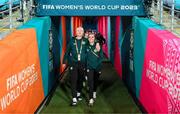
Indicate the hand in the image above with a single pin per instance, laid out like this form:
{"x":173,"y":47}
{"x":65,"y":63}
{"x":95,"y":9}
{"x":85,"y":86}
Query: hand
{"x":63,"y":65}
{"x":98,"y":47}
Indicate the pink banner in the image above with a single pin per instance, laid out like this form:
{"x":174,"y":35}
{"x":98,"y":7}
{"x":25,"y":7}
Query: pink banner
{"x":160,"y":87}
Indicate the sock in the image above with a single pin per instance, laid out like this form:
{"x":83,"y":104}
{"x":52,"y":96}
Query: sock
{"x":78,"y":94}
{"x":94,"y":94}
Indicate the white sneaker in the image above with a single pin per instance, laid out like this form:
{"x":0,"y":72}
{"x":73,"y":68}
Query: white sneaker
{"x":94,"y":95}
{"x":86,"y":78}
{"x":79,"y":98}
{"x":74,"y":102}
{"x":91,"y":102}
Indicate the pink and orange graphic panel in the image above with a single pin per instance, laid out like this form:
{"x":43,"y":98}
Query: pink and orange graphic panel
{"x":20,"y":81}
{"x":160,"y":85}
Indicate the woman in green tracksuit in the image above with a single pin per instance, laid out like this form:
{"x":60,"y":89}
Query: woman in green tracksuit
{"x":94,"y":59}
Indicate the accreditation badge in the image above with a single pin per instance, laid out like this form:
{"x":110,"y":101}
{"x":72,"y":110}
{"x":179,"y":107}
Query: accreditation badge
{"x":79,"y":57}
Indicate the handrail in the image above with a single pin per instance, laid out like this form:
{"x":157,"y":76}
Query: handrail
{"x":12,"y":16}
{"x":161,"y":14}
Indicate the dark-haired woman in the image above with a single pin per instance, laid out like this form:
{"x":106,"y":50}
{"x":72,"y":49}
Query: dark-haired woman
{"x":94,"y":59}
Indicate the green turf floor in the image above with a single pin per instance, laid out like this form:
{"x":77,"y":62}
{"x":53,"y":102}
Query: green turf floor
{"x":112,"y":97}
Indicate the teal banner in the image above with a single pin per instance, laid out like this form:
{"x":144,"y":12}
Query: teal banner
{"x":90,"y":7}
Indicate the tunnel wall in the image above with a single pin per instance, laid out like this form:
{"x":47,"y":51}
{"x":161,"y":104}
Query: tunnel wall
{"x":156,"y":72}
{"x":103,"y":29}
{"x":76,"y":21}
{"x":117,"y":48}
{"x":62,"y":39}
{"x":111,"y":29}
{"x":61,"y":27}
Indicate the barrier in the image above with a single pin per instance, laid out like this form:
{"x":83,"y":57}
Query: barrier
{"x":141,"y":27}
{"x":156,"y":72}
{"x":42,"y":26}
{"x":20,"y":81}
{"x":161,"y":73}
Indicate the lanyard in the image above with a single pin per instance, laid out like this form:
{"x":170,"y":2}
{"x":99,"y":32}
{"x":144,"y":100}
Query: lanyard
{"x":77,"y":50}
